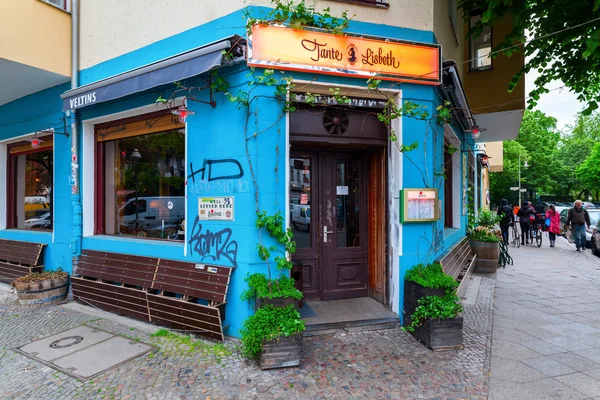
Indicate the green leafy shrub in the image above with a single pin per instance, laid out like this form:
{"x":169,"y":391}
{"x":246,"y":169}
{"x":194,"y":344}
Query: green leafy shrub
{"x":261,"y":287}
{"x":431,"y":276}
{"x":487,"y":218}
{"x":269,"y":323}
{"x":435,"y":307}
{"x":484,"y":234}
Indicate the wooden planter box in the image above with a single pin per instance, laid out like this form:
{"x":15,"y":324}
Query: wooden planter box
{"x":412,"y":293}
{"x":282,"y":353}
{"x":441,"y":334}
{"x":487,"y":254}
{"x":48,"y":291}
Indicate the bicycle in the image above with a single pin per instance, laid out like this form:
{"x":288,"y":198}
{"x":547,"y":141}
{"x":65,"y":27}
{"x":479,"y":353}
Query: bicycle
{"x":536,"y":233}
{"x":516,"y":237}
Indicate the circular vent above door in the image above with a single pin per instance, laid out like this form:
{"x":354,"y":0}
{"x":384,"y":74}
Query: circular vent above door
{"x":335,"y":121}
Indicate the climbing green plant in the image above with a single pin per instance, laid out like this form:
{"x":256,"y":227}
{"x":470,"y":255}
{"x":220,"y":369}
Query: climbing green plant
{"x":260,"y":287}
{"x":299,"y":15}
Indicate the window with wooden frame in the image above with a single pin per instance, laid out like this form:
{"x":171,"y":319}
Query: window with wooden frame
{"x":29,"y":184}
{"x":140,"y":177}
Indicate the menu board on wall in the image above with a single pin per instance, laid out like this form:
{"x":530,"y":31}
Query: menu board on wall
{"x":419,"y":205}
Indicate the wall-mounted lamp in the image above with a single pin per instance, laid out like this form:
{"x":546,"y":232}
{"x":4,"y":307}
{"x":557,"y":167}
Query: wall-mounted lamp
{"x":475,"y":131}
{"x":182,"y":113}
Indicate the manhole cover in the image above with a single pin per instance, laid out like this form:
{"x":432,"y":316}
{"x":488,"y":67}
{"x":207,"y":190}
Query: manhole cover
{"x":84,"y":352}
{"x":66,"y":342}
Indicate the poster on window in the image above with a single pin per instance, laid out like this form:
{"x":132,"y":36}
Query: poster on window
{"x":465,"y":184}
{"x":216,"y":208}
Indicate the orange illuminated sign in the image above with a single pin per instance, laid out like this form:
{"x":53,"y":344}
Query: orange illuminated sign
{"x":306,"y":50}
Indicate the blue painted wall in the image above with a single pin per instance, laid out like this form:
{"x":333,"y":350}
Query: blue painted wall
{"x":28,"y":115}
{"x":217,"y":134}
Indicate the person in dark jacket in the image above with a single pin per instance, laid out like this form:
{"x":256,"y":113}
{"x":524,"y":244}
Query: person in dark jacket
{"x":505,"y":211}
{"x":524,"y":215}
{"x":578,"y":218}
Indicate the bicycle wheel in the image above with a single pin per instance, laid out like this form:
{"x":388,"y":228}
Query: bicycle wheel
{"x":516,"y":237}
{"x":538,"y":237}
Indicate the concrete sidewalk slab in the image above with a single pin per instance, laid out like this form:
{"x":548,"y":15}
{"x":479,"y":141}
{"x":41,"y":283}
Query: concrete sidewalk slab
{"x":548,"y":303}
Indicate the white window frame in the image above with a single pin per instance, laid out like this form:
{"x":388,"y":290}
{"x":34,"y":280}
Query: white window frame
{"x":88,"y":151}
{"x":475,"y":58}
{"x":4,"y":180}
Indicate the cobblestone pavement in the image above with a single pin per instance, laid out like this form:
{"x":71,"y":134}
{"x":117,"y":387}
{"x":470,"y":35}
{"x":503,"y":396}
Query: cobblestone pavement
{"x":382,"y":364}
{"x":546,"y":331}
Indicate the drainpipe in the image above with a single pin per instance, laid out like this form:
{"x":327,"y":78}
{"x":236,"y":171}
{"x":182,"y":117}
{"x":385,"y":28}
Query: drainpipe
{"x":76,"y":235}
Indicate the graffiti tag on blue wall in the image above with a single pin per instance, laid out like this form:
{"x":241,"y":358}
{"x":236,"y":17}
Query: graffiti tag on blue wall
{"x":223,"y":169}
{"x":213,"y":246}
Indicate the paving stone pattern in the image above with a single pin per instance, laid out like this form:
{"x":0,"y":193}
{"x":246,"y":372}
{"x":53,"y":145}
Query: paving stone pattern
{"x":546,"y":330}
{"x":386,"y":364}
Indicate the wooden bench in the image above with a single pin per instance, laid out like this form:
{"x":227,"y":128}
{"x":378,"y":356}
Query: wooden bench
{"x":19,"y":259}
{"x":182,"y":295}
{"x":458,"y":262}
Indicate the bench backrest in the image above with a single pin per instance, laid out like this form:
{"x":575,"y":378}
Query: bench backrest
{"x":203,"y":281}
{"x":454,"y":260}
{"x":23,"y":253}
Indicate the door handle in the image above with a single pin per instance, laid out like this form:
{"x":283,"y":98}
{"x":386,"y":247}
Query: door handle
{"x":149,"y":217}
{"x":325,"y":232}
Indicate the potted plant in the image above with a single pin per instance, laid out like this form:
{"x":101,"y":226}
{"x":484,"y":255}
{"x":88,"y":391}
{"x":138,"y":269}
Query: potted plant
{"x":42,"y":287}
{"x":273,"y":333}
{"x":436,"y":322}
{"x":425,"y":280}
{"x":484,"y":240}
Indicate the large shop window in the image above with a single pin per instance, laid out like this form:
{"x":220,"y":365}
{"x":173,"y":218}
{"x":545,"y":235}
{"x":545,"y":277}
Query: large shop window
{"x":30,"y":174}
{"x":480,"y":47}
{"x":140,"y":177}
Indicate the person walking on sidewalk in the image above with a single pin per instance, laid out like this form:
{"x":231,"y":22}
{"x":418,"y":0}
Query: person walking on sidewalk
{"x":507,"y":218}
{"x":524,"y":215}
{"x":578,"y":218}
{"x":554,"y":228}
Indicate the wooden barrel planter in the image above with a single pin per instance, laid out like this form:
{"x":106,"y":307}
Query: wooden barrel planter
{"x":281,"y":353}
{"x":488,"y":254}
{"x":47,"y":291}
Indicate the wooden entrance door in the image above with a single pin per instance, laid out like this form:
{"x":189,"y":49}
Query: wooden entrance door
{"x":329,"y":219}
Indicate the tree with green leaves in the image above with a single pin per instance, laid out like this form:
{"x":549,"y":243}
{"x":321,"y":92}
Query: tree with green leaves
{"x":589,"y":172}
{"x":564,"y":42}
{"x":538,"y":144}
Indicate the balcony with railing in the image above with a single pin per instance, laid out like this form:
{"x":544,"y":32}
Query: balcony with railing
{"x":35,"y":46}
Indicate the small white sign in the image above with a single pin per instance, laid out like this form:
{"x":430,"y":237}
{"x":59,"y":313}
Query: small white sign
{"x":199,"y":266}
{"x":212,"y":270}
{"x":170,"y":205}
{"x":342,"y":191}
{"x":216,"y":208}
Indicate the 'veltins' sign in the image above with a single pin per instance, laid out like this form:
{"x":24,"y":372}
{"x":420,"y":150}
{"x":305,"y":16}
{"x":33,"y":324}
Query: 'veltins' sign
{"x":304,"y":50}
